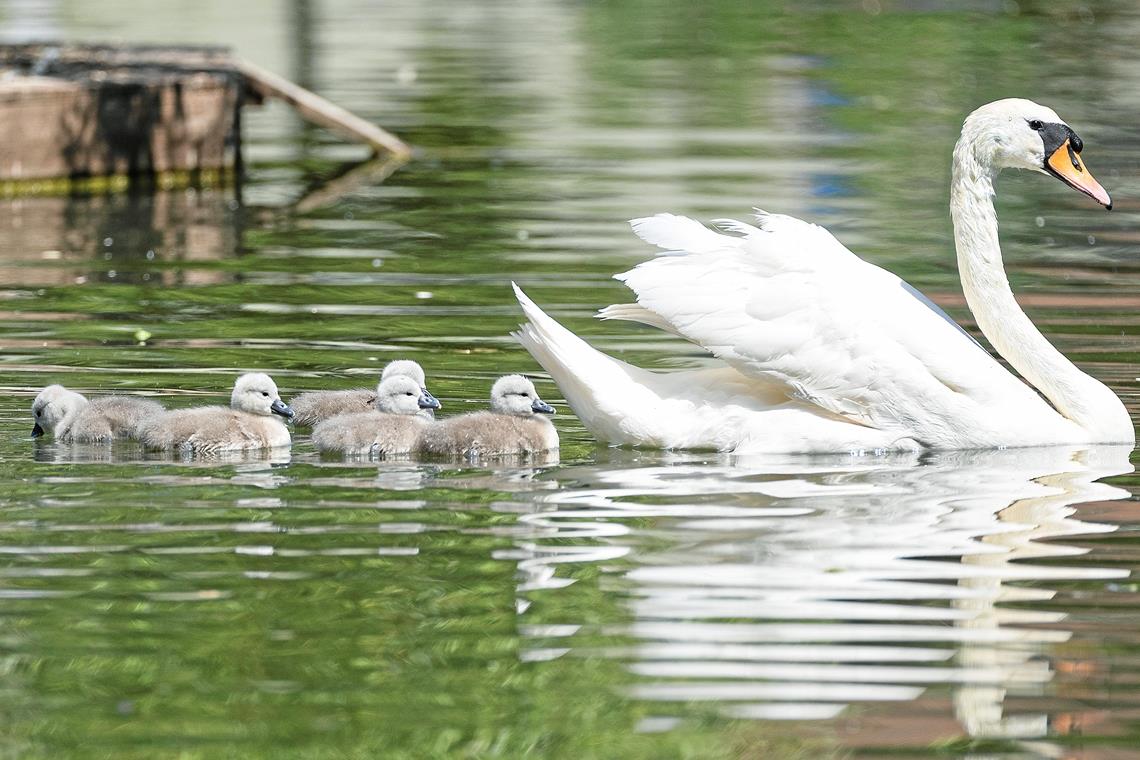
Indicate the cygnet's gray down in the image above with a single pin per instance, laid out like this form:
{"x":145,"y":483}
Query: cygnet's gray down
{"x":517,"y":424}
{"x":314,"y":407}
{"x":70,"y":417}
{"x":250,"y":422}
{"x":394,"y":428}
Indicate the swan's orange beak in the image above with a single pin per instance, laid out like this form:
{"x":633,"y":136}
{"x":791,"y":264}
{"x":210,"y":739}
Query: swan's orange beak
{"x":1065,"y":164}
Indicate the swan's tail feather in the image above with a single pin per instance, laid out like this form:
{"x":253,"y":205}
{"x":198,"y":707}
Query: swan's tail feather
{"x":610,"y":397}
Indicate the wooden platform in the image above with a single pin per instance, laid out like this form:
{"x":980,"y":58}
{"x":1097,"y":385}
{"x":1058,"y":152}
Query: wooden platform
{"x":84,"y":111}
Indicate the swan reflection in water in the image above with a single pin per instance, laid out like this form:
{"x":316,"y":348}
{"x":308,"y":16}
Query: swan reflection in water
{"x":791,"y":588}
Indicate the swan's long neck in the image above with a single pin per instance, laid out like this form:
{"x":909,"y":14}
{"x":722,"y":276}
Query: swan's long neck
{"x":1077,"y":396}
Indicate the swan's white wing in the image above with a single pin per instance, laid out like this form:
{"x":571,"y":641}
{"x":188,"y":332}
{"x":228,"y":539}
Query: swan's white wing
{"x":786,"y":301}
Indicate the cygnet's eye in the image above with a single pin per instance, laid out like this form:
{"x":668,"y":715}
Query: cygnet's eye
{"x":265,"y":393}
{"x":408,"y":393}
{"x":1036,"y":125}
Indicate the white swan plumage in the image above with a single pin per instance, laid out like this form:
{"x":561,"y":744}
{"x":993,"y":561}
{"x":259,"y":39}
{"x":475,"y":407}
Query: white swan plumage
{"x":820,"y":351}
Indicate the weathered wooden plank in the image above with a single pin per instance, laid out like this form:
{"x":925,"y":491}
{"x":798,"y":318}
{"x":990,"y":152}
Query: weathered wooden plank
{"x":320,"y":111}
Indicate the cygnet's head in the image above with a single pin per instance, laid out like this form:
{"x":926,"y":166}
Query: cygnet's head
{"x":1020,"y":134}
{"x":409,"y":368}
{"x":400,"y":394}
{"x":514,"y":394}
{"x":52,"y":405}
{"x":256,"y":393}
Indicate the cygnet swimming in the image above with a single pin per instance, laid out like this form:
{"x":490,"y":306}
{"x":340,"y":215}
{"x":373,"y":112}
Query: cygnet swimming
{"x":393,"y":428}
{"x":517,"y":424}
{"x":316,"y":406}
{"x":70,"y":417}
{"x":250,"y":422}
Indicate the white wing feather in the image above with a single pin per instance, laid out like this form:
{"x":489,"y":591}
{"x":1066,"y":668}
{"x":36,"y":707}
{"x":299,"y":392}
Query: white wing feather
{"x":788,"y":302}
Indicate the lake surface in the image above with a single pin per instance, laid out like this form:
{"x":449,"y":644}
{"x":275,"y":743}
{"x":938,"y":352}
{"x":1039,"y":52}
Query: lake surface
{"x":615,"y":603}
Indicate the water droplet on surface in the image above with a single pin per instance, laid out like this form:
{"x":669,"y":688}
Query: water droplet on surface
{"x":406,"y":74}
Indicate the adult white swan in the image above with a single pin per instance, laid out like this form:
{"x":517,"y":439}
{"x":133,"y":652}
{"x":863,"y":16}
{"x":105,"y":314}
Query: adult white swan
{"x":822,"y":352}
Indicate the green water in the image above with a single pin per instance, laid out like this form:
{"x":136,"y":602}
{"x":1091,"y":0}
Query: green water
{"x":615,"y":604}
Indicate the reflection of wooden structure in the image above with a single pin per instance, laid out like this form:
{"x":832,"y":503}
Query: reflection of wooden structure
{"x":79,"y":111}
{"x":167,"y":238}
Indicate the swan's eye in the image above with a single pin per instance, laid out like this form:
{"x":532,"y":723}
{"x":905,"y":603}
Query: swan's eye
{"x":264,"y":393}
{"x":409,"y":393}
{"x":1036,"y":125}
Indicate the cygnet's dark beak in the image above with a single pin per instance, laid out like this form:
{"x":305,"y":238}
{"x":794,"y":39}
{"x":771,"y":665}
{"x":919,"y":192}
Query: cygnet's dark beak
{"x":428,"y":401}
{"x":280,"y":407}
{"x":541,"y":407}
{"x":37,"y":431}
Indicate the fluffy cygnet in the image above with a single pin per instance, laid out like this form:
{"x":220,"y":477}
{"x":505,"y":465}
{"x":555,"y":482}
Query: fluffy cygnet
{"x":250,"y":422}
{"x":394,"y":428}
{"x":70,"y":417}
{"x":517,"y":424}
{"x":315,"y":406}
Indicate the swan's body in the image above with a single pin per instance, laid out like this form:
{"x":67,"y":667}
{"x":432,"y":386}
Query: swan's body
{"x":249,"y":422}
{"x":517,"y":425}
{"x":393,"y":428}
{"x":822,"y":351}
{"x":313,"y":407}
{"x":72,"y":418}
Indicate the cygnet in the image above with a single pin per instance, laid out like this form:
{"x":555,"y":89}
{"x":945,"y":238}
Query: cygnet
{"x":394,"y":428}
{"x":70,"y":417}
{"x":517,"y":424}
{"x":250,"y":422}
{"x":316,"y":406}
